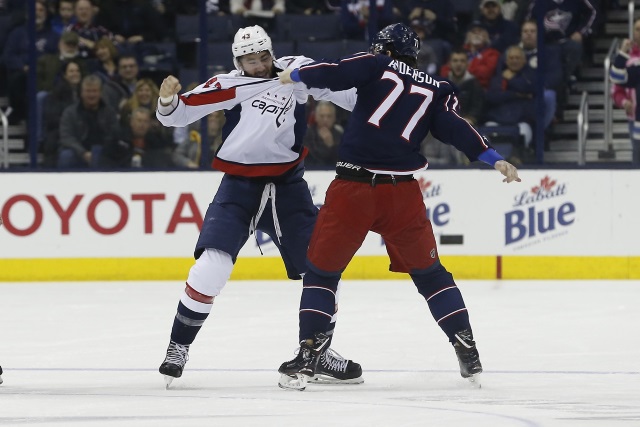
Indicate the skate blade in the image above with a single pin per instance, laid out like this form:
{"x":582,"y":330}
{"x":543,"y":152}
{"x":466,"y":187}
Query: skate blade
{"x":475,"y":381}
{"x":288,"y":382}
{"x":326,"y":379}
{"x":167,"y":381}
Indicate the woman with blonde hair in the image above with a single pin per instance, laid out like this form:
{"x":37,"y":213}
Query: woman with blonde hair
{"x":144,"y":95}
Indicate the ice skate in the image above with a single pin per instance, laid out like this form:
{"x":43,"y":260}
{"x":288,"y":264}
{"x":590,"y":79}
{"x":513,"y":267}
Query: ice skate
{"x":173,"y":365}
{"x":296,"y":373}
{"x":468,"y":357}
{"x":0,"y":374}
{"x":335,"y":369}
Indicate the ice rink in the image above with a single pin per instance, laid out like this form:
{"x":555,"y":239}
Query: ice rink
{"x":555,"y":353}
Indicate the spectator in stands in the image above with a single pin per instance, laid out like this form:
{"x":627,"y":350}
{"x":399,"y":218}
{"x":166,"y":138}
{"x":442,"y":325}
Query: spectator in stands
{"x":144,"y":95}
{"x":469,"y":92}
{"x":88,"y":31}
{"x":50,"y":65}
{"x":626,"y":96}
{"x":187,"y":154}
{"x":510,"y":96}
{"x":307,"y":7}
{"x":428,"y":60}
{"x":86,"y":127}
{"x":105,"y":58}
{"x":131,"y":21}
{"x":553,"y":81}
{"x":64,"y":93}
{"x":502,"y":32}
{"x":515,"y":10}
{"x":16,"y":57}
{"x":354,"y":15}
{"x":64,"y":16}
{"x":567,"y":24}
{"x":483,"y":58}
{"x":128,"y":71}
{"x":116,"y":92}
{"x":438,"y":19}
{"x":435,"y":23}
{"x":323,"y":137}
{"x":139,"y":145}
{"x":239,"y":7}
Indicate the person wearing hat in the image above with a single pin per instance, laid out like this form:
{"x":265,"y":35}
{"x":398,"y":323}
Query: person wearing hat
{"x":483,"y":59}
{"x":49,"y":65}
{"x":502,"y":32}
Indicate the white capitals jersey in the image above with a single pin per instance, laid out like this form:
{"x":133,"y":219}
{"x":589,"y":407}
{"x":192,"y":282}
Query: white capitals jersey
{"x":265,"y":120}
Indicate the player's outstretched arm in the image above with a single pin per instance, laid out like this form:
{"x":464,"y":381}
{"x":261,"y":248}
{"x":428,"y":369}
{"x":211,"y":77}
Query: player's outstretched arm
{"x":169,"y":87}
{"x":508,"y":170}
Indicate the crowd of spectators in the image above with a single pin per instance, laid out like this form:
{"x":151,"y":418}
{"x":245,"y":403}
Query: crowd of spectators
{"x":97,"y":87}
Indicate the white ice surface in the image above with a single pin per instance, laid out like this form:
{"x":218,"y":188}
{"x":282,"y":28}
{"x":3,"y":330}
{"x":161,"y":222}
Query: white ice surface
{"x":555,"y":353}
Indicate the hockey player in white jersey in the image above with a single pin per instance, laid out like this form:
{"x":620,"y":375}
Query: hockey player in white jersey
{"x":263,"y":187}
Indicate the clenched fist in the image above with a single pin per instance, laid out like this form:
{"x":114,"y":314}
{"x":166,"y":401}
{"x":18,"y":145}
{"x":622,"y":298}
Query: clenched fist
{"x":508,"y":170}
{"x":285,"y":76}
{"x":170,"y":86}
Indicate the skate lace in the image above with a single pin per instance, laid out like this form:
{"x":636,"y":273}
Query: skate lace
{"x":177,"y":354}
{"x":333,"y":361}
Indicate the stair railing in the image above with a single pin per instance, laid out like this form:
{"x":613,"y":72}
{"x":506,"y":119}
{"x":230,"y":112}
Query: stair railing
{"x":583,"y":127}
{"x":4,"y":118}
{"x":631,"y":7}
{"x":608,"y":102}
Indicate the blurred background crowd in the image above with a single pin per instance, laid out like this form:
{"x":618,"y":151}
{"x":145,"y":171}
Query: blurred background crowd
{"x":100,"y":63}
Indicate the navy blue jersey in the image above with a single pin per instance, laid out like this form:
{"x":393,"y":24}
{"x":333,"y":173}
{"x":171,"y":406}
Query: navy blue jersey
{"x":396,"y":108}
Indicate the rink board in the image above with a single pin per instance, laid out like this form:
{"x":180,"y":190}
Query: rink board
{"x":556,"y":224}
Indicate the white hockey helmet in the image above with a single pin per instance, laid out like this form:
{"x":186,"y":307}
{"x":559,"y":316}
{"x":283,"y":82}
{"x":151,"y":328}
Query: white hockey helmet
{"x":250,"y":40}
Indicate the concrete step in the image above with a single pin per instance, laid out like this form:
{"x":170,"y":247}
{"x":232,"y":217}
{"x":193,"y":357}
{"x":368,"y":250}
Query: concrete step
{"x":592,"y":88}
{"x":592,"y":73}
{"x":622,"y":15}
{"x":590,"y":157}
{"x":616,"y":29}
{"x":596,"y":115}
{"x":568,"y":128}
{"x":574,"y":100}
{"x":22,"y":159}
{"x":619,"y":144}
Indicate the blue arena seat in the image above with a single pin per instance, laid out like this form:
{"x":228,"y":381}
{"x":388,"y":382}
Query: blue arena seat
{"x":312,"y":27}
{"x":187,"y":28}
{"x":220,"y":55}
{"x":353,"y":46}
{"x":281,"y":49}
{"x":329,"y":50}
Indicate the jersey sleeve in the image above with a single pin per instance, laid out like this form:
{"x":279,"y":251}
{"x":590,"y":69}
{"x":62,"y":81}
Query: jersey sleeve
{"x":221,"y":92}
{"x":449,"y":127}
{"x":350,"y":72}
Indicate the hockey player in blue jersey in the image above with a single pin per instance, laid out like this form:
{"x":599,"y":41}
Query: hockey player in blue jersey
{"x":374,"y":190}
{"x":262,"y":157}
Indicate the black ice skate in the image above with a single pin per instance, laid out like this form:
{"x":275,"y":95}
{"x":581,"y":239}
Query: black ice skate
{"x":335,"y":369}
{"x":468,"y":357}
{"x":173,"y":365}
{"x":0,"y":374}
{"x":296,"y":373}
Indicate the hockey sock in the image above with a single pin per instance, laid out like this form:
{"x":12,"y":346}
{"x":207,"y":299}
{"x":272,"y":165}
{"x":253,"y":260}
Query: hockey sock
{"x":445,"y":301}
{"x":193,"y":309}
{"x":317,"y":305}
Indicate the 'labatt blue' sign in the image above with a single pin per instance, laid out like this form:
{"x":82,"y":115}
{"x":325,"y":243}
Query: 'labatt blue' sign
{"x":438,"y":214}
{"x":532,"y":219}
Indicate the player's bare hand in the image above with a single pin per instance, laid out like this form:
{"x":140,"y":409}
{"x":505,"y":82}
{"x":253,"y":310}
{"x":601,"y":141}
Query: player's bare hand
{"x":285,"y":76}
{"x":169,"y":87}
{"x":508,"y":170}
{"x":625,"y":46}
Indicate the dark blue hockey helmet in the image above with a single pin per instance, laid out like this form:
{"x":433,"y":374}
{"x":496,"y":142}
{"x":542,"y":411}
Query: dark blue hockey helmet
{"x":399,"y":39}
